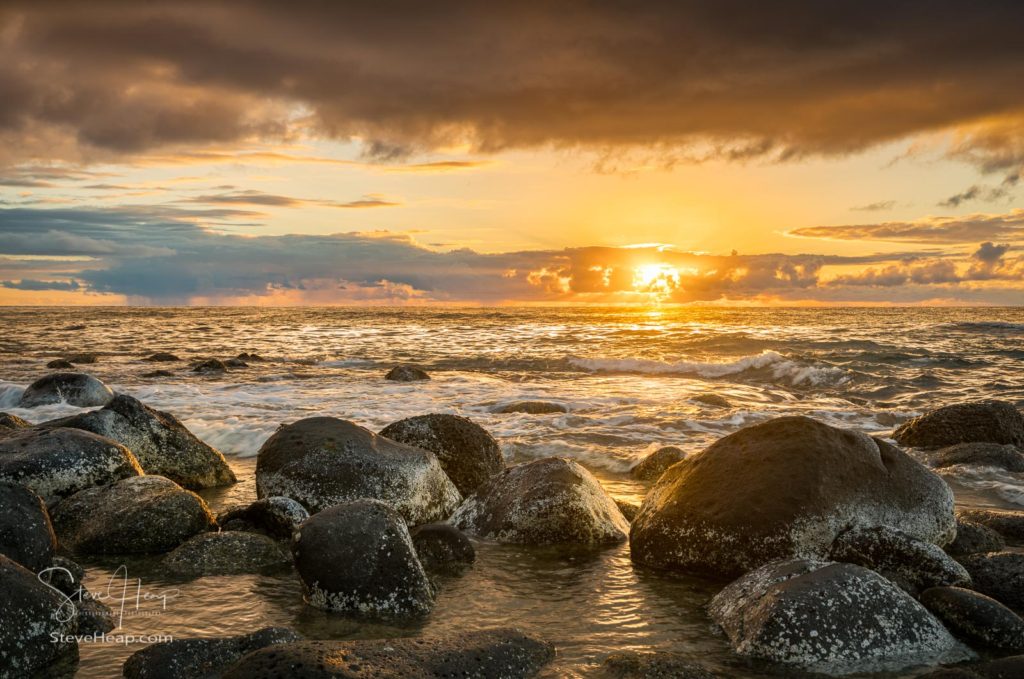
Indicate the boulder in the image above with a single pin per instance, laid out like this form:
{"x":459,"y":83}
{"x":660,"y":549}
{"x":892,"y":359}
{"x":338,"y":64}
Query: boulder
{"x":278,"y":517}
{"x":201,"y":658}
{"x":491,"y":653}
{"x":910,"y":563}
{"x":161,"y":357}
{"x":158,"y":373}
{"x":59,"y":462}
{"x":442,"y":548}
{"x":976,"y":618}
{"x":549,"y":501}
{"x":973,"y":538}
{"x":12,"y":422}
{"x":210,"y":365}
{"x":467,"y":453}
{"x":834,"y":618}
{"x":247,"y":356}
{"x":781,"y":489}
{"x":77,"y":389}
{"x":161,"y":444}
{"x":976,"y":422}
{"x":65,"y":576}
{"x":981,"y":455}
{"x":60,"y":364}
{"x":657,"y":665}
{"x":358,"y":557}
{"x":231,"y":553}
{"x":1007,"y":522}
{"x":654,"y":465}
{"x":628,"y":509}
{"x":1000,"y":575}
{"x":138,"y":515}
{"x":406,"y":373}
{"x":713,"y":400}
{"x":33,"y":616}
{"x":82,"y":359}
{"x":236,"y":363}
{"x":26,"y":534}
{"x":531,"y":408}
{"x":321,"y":461}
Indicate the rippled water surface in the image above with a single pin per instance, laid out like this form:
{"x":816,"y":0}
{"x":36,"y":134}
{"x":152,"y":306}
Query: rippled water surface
{"x":629,"y":378}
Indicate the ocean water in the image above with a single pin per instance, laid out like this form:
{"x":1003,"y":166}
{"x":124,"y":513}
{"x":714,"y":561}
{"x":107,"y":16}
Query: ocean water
{"x":630,"y":379}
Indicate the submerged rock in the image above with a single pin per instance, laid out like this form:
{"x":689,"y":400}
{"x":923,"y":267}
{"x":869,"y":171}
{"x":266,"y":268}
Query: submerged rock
{"x":231,"y":553}
{"x":785,"y":488}
{"x":358,"y":557}
{"x":713,"y":400}
{"x":210,"y":365}
{"x":161,"y":444}
{"x":654,"y":465}
{"x":83,"y":359}
{"x":65,"y":575}
{"x":246,"y":356}
{"x":77,"y":389}
{"x":144,"y":514}
{"x":60,"y":364}
{"x":279,"y":517}
{"x":548,"y":501}
{"x":976,"y":618}
{"x":531,"y":408}
{"x":973,"y":538}
{"x":161,"y":357}
{"x":322,"y":461}
{"x":406,"y":373}
{"x":26,"y":534}
{"x":12,"y":422}
{"x":977,"y":422}
{"x":236,"y":363}
{"x":657,"y":665}
{"x":1007,"y":522}
{"x":56,"y":463}
{"x":442,"y":548}
{"x":467,"y":453}
{"x":1006,"y":457}
{"x":833,"y":618}
{"x":201,"y":658}
{"x":158,"y":373}
{"x":32,"y":617}
{"x":492,"y":653}
{"x":1000,"y":575}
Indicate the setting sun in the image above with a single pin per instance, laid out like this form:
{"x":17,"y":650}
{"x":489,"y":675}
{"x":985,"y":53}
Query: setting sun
{"x":658,"y":279}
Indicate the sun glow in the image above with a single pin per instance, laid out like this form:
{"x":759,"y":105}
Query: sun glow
{"x":657,"y":279}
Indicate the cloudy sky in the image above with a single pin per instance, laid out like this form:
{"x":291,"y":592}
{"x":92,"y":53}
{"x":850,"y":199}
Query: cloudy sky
{"x":467,"y":152}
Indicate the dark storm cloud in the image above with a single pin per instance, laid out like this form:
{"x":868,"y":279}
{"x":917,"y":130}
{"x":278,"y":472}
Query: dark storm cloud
{"x":37,"y":286}
{"x":784,"y":78}
{"x":968,"y":229}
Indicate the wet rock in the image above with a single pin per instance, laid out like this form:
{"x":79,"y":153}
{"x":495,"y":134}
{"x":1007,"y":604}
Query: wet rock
{"x":246,"y":356}
{"x":201,"y":658}
{"x":628,"y":509}
{"x":910,"y":563}
{"x":532,"y":408}
{"x":491,"y":653}
{"x":75,"y":327}
{"x":12,"y":422}
{"x":973,"y":538}
{"x":210,"y":365}
{"x":442,"y":548}
{"x":276,"y":516}
{"x":977,"y":422}
{"x":161,"y":444}
{"x":66,"y":576}
{"x":467,"y":453}
{"x":358,"y":557}
{"x":549,"y":501}
{"x":60,"y":364}
{"x":654,"y":465}
{"x":26,"y":534}
{"x":713,"y":400}
{"x":834,"y":618}
{"x":31,"y":612}
{"x":784,"y":488}
{"x":82,"y":359}
{"x":976,"y":618}
{"x":406,"y":373}
{"x":143,"y":514}
{"x":1004,"y":668}
{"x":63,"y":574}
{"x":231,"y":553}
{"x":321,"y":461}
{"x":1005,"y":457}
{"x":158,"y":373}
{"x":658,"y":665}
{"x":161,"y":357}
{"x":1007,"y":522}
{"x":1000,"y":575}
{"x":236,"y":363}
{"x":56,"y":463}
{"x":77,"y":389}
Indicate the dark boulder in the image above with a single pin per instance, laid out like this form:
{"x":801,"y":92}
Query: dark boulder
{"x":83,"y":359}
{"x":981,"y":455}
{"x":442,"y":548}
{"x":713,"y":400}
{"x":548,"y":501}
{"x":976,"y":618}
{"x":658,"y":665}
{"x":1000,"y":575}
{"x":56,"y":463}
{"x":210,"y":365}
{"x":784,"y":488}
{"x":143,"y":514}
{"x":973,"y":538}
{"x":77,"y":389}
{"x":158,"y":373}
{"x":161,"y":357}
{"x":32,"y":616}
{"x":65,"y":575}
{"x":977,"y":422}
{"x":654,"y":465}
{"x":231,"y":553}
{"x":321,"y":461}
{"x":358,"y":557}
{"x":406,"y":373}
{"x":278,"y":517}
{"x":26,"y":534}
{"x":60,"y":364}
{"x":247,"y":356}
{"x":467,"y":453}
{"x":1007,"y":522}
{"x":531,"y":408}
{"x":490,"y":654}
{"x":628,"y":509}
{"x":12,"y":422}
{"x":236,"y":363}
{"x":201,"y":658}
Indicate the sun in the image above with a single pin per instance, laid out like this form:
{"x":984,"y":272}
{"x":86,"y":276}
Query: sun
{"x":657,"y":279}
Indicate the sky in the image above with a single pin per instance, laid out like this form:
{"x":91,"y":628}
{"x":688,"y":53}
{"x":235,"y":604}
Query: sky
{"x":740,"y":153}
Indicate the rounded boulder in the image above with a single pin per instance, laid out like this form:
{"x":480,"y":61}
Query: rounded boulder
{"x":77,"y":389}
{"x":976,"y":422}
{"x":26,"y":534}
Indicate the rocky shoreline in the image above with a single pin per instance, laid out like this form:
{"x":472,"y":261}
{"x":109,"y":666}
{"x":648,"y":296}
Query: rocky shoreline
{"x":837,"y":553}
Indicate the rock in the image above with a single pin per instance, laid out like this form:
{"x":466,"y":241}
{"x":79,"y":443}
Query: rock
{"x":33,"y":616}
{"x":1000,"y":575}
{"x":12,"y":422}
{"x":26,"y":534}
{"x":82,"y":359}
{"x":139,"y":515}
{"x":210,"y":365}
{"x":834,"y":618}
{"x":490,"y":653}
{"x":784,"y":488}
{"x":236,"y":363}
{"x":161,"y":357}
{"x":161,"y":444}
{"x":467,"y":453}
{"x":442,"y":548}
{"x":1004,"y":668}
{"x":59,"y":462}
{"x":232,"y":553}
{"x":60,"y":364}
{"x":628,"y":509}
{"x":1007,"y":522}
{"x":910,"y":563}
{"x":549,"y":501}
{"x":973,"y":537}
{"x":654,"y":465}
{"x":976,"y":422}
{"x":406,"y":373}
{"x":976,"y":618}
{"x":358,"y":557}
{"x":278,"y":517}
{"x":158,"y":373}
{"x":246,"y":356}
{"x":65,"y":576}
{"x":531,"y":408}
{"x":980,"y":454}
{"x":658,"y":665}
{"x":321,"y":461}
{"x":713,"y":400}
{"x":75,"y":327}
{"x":77,"y":389}
{"x":201,"y":658}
